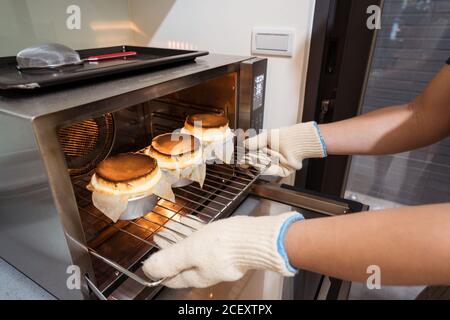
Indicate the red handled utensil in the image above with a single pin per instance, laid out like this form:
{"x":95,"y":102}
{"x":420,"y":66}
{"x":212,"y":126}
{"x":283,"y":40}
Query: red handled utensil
{"x":110,"y":56}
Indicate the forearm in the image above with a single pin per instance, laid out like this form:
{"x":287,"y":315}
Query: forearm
{"x":423,"y":121}
{"x":411,"y":245}
{"x":384,"y":131}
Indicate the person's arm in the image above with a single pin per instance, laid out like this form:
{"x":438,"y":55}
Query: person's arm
{"x":411,"y":245}
{"x":423,"y":121}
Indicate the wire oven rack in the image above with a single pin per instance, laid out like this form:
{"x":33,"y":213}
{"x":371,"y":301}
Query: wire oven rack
{"x":118,"y":248}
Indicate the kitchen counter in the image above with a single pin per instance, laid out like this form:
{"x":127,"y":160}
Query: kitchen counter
{"x":16,"y":286}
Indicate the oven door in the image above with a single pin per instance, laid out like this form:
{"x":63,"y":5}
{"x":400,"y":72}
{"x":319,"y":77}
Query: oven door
{"x":266,"y":199}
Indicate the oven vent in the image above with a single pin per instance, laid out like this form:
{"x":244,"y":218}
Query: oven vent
{"x":87,"y":143}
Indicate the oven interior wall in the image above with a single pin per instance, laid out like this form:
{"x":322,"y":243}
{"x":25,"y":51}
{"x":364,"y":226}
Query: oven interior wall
{"x":136,"y":126}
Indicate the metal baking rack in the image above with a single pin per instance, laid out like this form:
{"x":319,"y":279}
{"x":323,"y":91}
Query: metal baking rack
{"x":118,"y":248}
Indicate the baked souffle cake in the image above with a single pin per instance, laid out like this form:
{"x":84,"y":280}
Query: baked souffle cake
{"x":126,"y":174}
{"x":176,"y":151}
{"x":208,"y":127}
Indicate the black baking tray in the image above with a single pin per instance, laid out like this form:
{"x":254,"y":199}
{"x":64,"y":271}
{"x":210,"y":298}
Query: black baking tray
{"x":13,"y":79}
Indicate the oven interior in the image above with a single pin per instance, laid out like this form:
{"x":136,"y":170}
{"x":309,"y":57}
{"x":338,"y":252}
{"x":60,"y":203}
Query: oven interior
{"x":128,"y":243}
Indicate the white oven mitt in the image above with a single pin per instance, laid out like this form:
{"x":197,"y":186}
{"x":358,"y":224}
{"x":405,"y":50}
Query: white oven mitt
{"x":224,"y":251}
{"x":288,"y":147}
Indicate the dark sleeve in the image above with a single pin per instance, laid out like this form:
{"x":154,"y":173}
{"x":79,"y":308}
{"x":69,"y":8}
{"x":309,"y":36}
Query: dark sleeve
{"x":448,"y":61}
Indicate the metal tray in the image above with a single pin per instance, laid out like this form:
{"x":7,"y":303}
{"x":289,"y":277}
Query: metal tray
{"x":13,"y":79}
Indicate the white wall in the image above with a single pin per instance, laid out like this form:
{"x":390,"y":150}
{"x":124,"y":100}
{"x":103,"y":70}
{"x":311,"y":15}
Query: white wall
{"x":224,"y":26}
{"x":24,"y":23}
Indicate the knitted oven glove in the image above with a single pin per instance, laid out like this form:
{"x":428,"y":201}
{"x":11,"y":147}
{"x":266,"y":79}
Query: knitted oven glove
{"x":287,"y":147}
{"x":222,"y":251}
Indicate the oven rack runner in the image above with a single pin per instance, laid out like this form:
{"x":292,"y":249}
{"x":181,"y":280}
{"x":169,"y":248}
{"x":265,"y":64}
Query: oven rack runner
{"x":224,"y":184}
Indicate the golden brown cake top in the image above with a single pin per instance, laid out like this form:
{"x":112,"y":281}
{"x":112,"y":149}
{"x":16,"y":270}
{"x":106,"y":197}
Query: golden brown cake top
{"x":207,"y":120}
{"x":175,"y":144}
{"x":125,"y":167}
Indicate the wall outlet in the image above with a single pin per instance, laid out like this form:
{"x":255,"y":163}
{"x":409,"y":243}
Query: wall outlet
{"x":273,"y":41}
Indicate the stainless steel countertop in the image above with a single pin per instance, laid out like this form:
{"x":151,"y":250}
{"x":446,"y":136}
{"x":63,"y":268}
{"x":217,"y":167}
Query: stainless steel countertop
{"x":32,"y":104}
{"x":16,"y":286}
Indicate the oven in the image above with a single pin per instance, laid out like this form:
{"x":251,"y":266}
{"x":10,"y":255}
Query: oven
{"x":52,"y":141}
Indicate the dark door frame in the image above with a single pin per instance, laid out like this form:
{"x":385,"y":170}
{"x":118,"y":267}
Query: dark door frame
{"x":340,"y":52}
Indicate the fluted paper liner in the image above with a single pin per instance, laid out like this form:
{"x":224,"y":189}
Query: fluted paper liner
{"x":195,"y":173}
{"x":217,"y":151}
{"x":113,"y":206}
{"x":110,"y":205}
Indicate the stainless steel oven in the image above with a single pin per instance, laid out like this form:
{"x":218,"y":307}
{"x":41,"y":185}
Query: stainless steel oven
{"x":51,"y":141}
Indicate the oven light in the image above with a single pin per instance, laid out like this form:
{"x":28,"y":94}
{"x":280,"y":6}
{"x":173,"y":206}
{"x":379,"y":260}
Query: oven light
{"x":181,"y":45}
